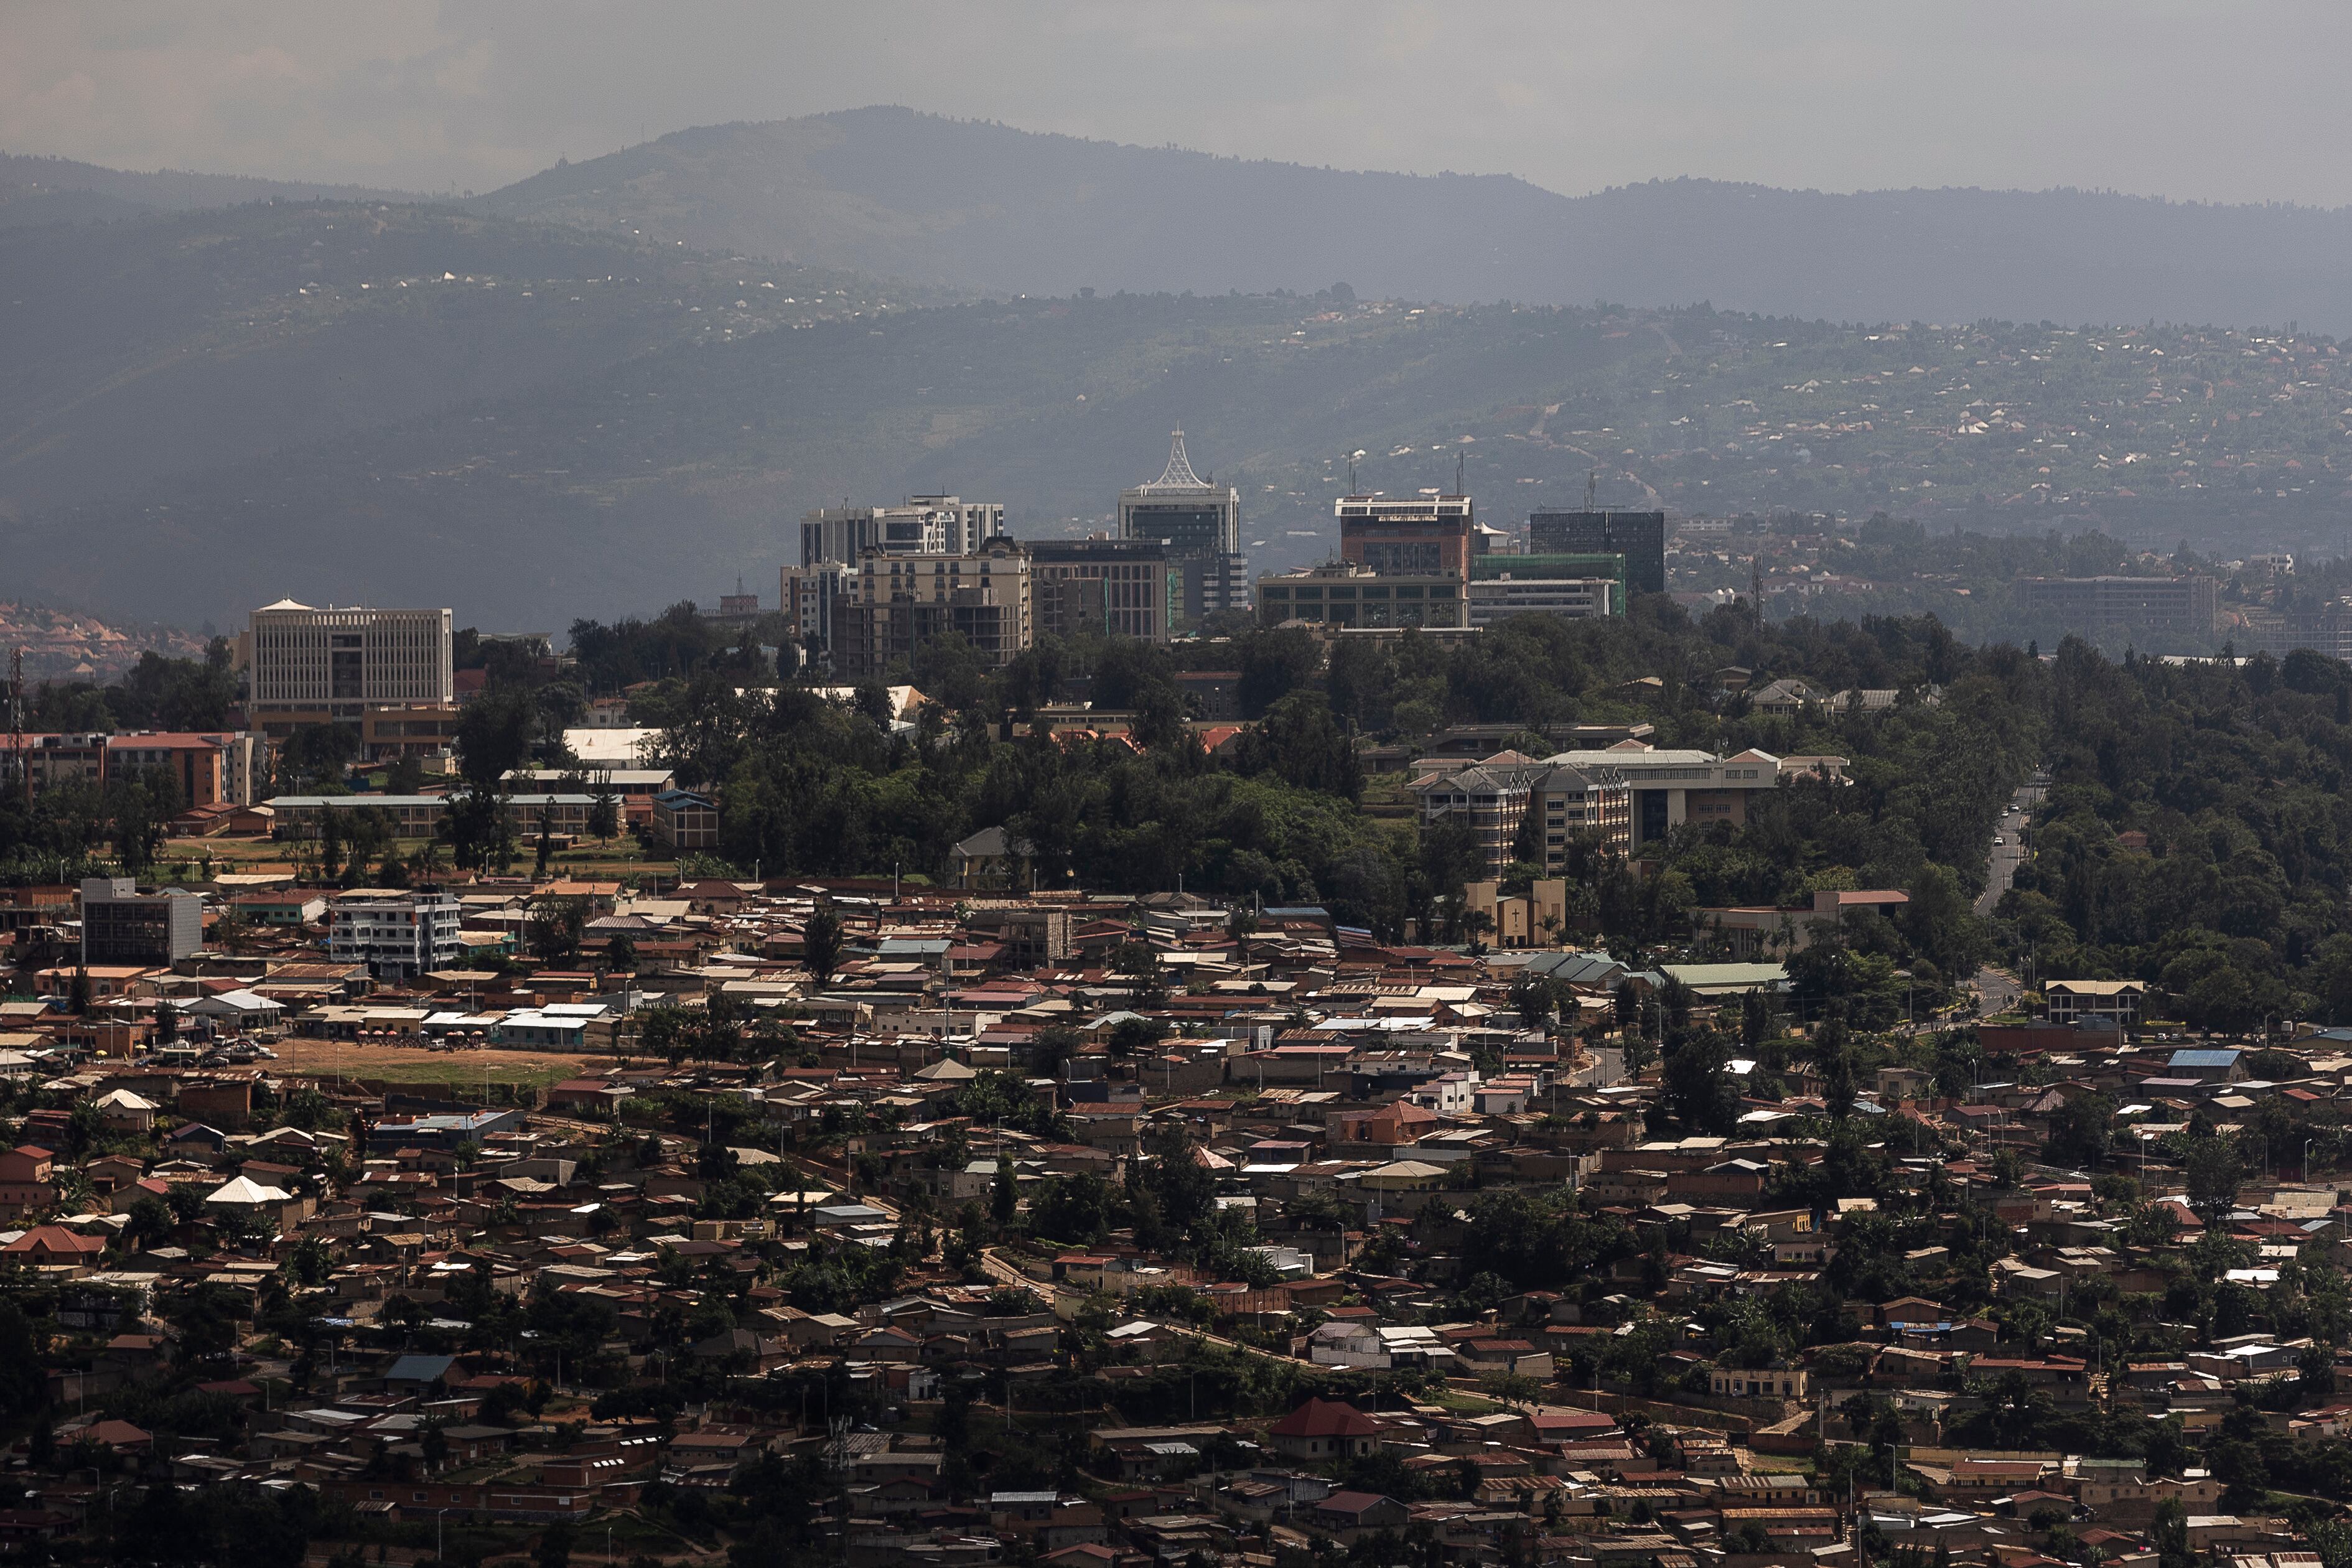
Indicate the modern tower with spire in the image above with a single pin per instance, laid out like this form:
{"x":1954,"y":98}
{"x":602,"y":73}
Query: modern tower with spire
{"x":1201,"y":524}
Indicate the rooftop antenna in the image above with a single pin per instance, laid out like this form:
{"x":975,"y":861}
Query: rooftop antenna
{"x":1591,"y":489}
{"x":1457,"y":472}
{"x":1351,"y":475}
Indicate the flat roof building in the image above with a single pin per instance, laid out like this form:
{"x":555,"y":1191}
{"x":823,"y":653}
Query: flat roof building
{"x":905,"y":601}
{"x":1409,"y":535}
{"x":2113,"y":608}
{"x":315,"y":666}
{"x":397,"y":935}
{"x":1672,"y":787}
{"x":921,"y":525}
{"x":1639,"y":536}
{"x":1344,"y":593}
{"x":120,"y":924}
{"x":1117,"y":587}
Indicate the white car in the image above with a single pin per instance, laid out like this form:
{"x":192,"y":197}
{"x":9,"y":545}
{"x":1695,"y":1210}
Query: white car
{"x":1998,"y":841}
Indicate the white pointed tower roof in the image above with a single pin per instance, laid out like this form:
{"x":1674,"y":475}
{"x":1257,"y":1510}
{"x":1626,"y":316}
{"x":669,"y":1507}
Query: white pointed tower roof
{"x":1179,"y":475}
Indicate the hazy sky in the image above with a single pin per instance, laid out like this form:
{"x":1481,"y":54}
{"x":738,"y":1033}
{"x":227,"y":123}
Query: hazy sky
{"x":2213,"y":101}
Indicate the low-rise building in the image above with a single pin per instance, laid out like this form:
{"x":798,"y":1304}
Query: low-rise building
{"x":396,"y":935}
{"x":120,"y":924}
{"x":686,"y":821}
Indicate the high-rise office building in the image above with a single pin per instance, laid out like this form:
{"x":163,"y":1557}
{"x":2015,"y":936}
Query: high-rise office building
{"x":1421,"y":535}
{"x":1639,"y":536}
{"x":315,"y":666}
{"x":1200,"y":524}
{"x":924,"y":525}
{"x":1122,"y":587}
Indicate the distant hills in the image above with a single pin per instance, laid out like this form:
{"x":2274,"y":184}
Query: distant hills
{"x":979,"y":207}
{"x":171,"y":343}
{"x":668,"y":473}
{"x":58,"y":190}
{"x":600,"y":390}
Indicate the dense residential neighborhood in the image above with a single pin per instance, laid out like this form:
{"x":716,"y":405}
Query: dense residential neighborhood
{"x":1579,"y":1119}
{"x":1607,"y":829}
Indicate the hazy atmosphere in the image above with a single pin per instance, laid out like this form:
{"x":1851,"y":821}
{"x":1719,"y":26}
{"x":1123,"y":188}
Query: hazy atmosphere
{"x":1114,"y":785}
{"x":2225,"y":103}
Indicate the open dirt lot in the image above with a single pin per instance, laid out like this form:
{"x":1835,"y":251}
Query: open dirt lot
{"x":463,"y":1072}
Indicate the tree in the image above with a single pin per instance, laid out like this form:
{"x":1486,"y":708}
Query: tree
{"x":1004,"y":1197}
{"x":24,"y":1386}
{"x":405,"y":777}
{"x":2213,"y":1174}
{"x":1698,"y":1091}
{"x":555,"y":930}
{"x":493,"y":737}
{"x":331,"y":843}
{"x":1303,"y":744}
{"x":167,"y":1023}
{"x":821,"y":944}
{"x":604,"y":810}
{"x":2168,"y":1530}
{"x":2082,"y":1130}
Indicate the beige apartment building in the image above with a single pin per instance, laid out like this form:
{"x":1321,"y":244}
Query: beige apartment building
{"x":902,"y":602}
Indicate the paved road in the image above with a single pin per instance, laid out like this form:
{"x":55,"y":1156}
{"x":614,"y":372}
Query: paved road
{"x":1997,"y":990}
{"x":2008,"y":850}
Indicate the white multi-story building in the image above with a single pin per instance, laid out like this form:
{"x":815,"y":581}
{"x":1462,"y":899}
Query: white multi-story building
{"x":925,"y":525}
{"x":340,"y":663}
{"x":1499,"y":598}
{"x":806,"y":595}
{"x":1672,"y":787}
{"x":398,"y":935}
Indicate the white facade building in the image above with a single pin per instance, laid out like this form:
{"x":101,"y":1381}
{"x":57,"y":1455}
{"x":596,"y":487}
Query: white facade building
{"x":342,"y":662}
{"x":396,"y":935}
{"x":1494,"y":599}
{"x":925,"y":525}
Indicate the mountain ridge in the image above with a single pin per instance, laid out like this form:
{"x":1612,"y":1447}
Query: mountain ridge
{"x":36,"y":188}
{"x":980,"y":205}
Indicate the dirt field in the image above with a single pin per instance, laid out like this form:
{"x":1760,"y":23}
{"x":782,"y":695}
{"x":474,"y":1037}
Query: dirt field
{"x":463,"y":1072}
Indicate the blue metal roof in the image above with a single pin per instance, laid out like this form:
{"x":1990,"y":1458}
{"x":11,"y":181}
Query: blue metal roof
{"x":2214,"y":1058}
